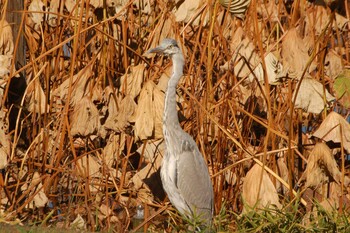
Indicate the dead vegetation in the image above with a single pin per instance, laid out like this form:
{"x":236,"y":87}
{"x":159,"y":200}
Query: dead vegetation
{"x":81,"y":118}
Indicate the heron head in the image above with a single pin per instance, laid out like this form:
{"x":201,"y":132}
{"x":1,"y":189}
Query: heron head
{"x":166,"y":47}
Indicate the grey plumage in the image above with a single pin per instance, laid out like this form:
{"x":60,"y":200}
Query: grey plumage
{"x":184,"y":173}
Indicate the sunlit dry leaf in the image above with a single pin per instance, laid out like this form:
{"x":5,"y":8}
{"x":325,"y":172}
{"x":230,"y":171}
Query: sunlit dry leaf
{"x":40,"y":199}
{"x":164,"y":29}
{"x":36,"y":97}
{"x":310,"y":96}
{"x":333,"y":64}
{"x":89,"y":166}
{"x":253,"y":197}
{"x":52,"y":18}
{"x":334,"y":128}
{"x":274,"y":70}
{"x":120,"y":120}
{"x":130,"y":83}
{"x":295,"y":54}
{"x":105,"y":212}
{"x":236,"y":7}
{"x":6,"y":38}
{"x":283,"y":173}
{"x":152,"y":150}
{"x":36,"y":6}
{"x":70,"y":4}
{"x":342,"y":88}
{"x":113,"y":149}
{"x":5,"y":66}
{"x":5,"y":143}
{"x":189,"y":10}
{"x":164,"y":79}
{"x":321,"y":167}
{"x":148,"y":114}
{"x":269,"y":10}
{"x":85,"y":118}
{"x":317,"y":18}
{"x":78,"y":223}
{"x":79,"y":86}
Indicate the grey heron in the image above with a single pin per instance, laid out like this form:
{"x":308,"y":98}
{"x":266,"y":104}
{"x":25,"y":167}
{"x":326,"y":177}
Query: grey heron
{"x":184,"y":173}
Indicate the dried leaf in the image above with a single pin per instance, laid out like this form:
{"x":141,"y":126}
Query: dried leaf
{"x":310,"y":97}
{"x":36,"y":97}
{"x":333,"y":64}
{"x":79,"y":86}
{"x":321,"y":167}
{"x":85,"y":118}
{"x":342,"y":88}
{"x":5,"y":66}
{"x":113,"y":149}
{"x":188,"y":11}
{"x":36,"y":6}
{"x":236,"y":7}
{"x":267,"y":193}
{"x":149,"y":111}
{"x":40,"y":199}
{"x":130,"y":83}
{"x":334,"y":128}
{"x":89,"y":166}
{"x":152,"y":150}
{"x":78,"y":223}
{"x":295,"y":55}
{"x":52,"y":18}
{"x":120,"y":120}
{"x":6,"y":39}
{"x":274,"y":70}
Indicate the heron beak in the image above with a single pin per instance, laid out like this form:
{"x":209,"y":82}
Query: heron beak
{"x":157,"y":50}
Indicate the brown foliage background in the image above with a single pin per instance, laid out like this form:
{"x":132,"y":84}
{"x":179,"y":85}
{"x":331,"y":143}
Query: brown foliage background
{"x":82,"y":116}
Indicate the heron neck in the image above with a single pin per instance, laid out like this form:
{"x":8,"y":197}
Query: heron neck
{"x":170,"y":116}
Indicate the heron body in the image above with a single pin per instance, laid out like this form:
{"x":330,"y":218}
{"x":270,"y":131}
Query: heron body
{"x":184,"y":173}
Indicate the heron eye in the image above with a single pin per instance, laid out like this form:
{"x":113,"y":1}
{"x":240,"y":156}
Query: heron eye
{"x":171,"y":46}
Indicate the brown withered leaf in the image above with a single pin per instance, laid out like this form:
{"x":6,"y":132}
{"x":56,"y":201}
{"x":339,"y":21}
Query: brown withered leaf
{"x":283,"y":173}
{"x":317,"y":17}
{"x":321,"y":167}
{"x":113,"y":149}
{"x":52,"y":18}
{"x":78,"y":223}
{"x":40,"y":199}
{"x":36,"y":97}
{"x":188,"y":11}
{"x":333,"y":64}
{"x":334,"y":128}
{"x":252,"y":196}
{"x":130,"y":83}
{"x":79,"y":86}
{"x":5,"y":144}
{"x":6,"y":38}
{"x":149,"y":111}
{"x":36,"y":8}
{"x":152,"y":150}
{"x":295,"y":55}
{"x":119,"y":120}
{"x":5,"y":66}
{"x":310,"y":96}
{"x":85,"y":119}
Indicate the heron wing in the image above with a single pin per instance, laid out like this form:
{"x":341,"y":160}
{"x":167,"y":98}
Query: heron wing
{"x":193,"y":180}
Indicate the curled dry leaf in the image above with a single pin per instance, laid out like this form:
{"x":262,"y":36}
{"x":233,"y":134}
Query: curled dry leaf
{"x":36,"y":6}
{"x":79,"y":86}
{"x":295,"y":55}
{"x":6,"y":38}
{"x":333,"y":64}
{"x":85,"y":119}
{"x":189,"y":11}
{"x":52,"y":18}
{"x":130,"y":83}
{"x":283,"y":173}
{"x":113,"y":149}
{"x":334,"y":128}
{"x":274,"y":70}
{"x":119,"y":120}
{"x":318,"y":17}
{"x":310,"y":96}
{"x":253,"y":197}
{"x":5,"y":66}
{"x":36,"y":97}
{"x":40,"y":199}
{"x":5,"y":143}
{"x":151,"y":151}
{"x":321,"y":167}
{"x":236,"y":7}
{"x":78,"y":223}
{"x":149,"y":111}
